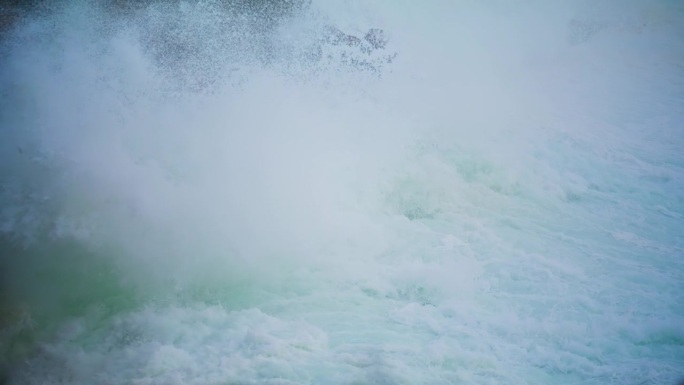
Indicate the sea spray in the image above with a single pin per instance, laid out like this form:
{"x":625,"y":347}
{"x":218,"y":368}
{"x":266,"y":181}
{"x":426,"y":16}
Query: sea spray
{"x":216,"y":192}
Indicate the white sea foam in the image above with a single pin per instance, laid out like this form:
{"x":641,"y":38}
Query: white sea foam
{"x":192,"y":195}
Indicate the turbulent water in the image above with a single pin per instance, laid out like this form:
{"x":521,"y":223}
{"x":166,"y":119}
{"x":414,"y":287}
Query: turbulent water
{"x":350,"y":192}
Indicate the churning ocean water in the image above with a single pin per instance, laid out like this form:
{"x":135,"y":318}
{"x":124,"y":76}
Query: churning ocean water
{"x":342,"y":192}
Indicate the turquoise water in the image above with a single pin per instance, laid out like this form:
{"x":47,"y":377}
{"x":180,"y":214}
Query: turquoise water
{"x":194,"y":193}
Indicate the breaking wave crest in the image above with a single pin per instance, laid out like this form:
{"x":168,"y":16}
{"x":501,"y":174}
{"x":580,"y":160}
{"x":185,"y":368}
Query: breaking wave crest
{"x":290,"y":192}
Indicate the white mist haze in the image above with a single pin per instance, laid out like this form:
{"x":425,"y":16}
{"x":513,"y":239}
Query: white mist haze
{"x":199,"y":192}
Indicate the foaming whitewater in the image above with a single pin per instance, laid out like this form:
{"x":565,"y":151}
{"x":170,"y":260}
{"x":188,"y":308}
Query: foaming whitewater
{"x":207,"y":192}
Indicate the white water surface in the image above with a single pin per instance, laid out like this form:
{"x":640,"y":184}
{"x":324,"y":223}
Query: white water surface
{"x":191,"y":195}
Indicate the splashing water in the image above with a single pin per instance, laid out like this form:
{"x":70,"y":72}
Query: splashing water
{"x":206,"y":192}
